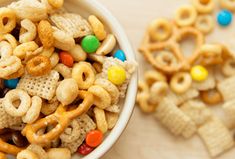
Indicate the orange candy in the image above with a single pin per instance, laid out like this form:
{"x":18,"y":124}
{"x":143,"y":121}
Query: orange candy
{"x":66,"y":59}
{"x":94,"y":138}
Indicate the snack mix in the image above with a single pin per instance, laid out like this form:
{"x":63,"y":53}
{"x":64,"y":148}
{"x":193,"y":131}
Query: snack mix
{"x":182,"y":91}
{"x":62,"y":81}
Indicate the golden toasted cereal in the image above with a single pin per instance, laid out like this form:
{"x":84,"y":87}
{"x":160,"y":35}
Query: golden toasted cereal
{"x":112,"y":119}
{"x":145,"y":104}
{"x":227,"y":86}
{"x":56,"y":3}
{"x":5,"y":49}
{"x":9,"y":66}
{"x":116,"y":108}
{"x":197,"y":111}
{"x":228,"y":67}
{"x":157,"y":92}
{"x":29,"y":9}
{"x":38,"y":150}
{"x":204,"y":6}
{"x":205,"y":23}
{"x":209,"y":83}
{"x":174,"y":119}
{"x":78,"y":53}
{"x":54,"y":59}
{"x":61,"y":153}
{"x":28,"y":31}
{"x":100,"y":120}
{"x":160,"y":29}
{"x":181,"y":82}
{"x":185,"y":16}
{"x":9,"y":16}
{"x":64,"y":70}
{"x":211,"y":97}
{"x":216,"y":137}
{"x":153,"y":76}
{"x":27,"y":154}
{"x":97,"y":27}
{"x":229,"y":110}
{"x":49,"y":107}
{"x":10,"y":39}
{"x":48,"y":51}
{"x":45,"y":33}
{"x":227,"y":4}
{"x":21,"y":50}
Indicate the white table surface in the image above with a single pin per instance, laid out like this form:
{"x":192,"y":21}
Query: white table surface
{"x":144,"y":138}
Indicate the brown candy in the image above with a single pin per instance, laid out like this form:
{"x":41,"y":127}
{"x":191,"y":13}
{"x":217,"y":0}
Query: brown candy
{"x":14,"y":137}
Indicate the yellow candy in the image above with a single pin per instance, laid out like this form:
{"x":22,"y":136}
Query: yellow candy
{"x":117,"y":75}
{"x":199,"y":73}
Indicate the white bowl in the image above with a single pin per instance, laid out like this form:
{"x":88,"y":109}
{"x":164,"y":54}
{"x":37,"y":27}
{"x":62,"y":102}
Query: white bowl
{"x":85,"y":8}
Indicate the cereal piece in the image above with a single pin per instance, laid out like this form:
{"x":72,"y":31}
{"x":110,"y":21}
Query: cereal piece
{"x":229,"y":109}
{"x":97,"y":27}
{"x":205,"y":23}
{"x":181,"y":82}
{"x":211,"y":97}
{"x":41,"y":153}
{"x":190,"y":18}
{"x":97,"y":58}
{"x":173,"y":118}
{"x":227,"y":4}
{"x":189,"y":130}
{"x":9,"y":66}
{"x":216,"y":137}
{"x":153,"y":76}
{"x":56,"y":3}
{"x":29,"y":9}
{"x":204,"y":7}
{"x":67,"y":91}
{"x":160,"y":29}
{"x":197,"y":111}
{"x":54,"y":60}
{"x":146,"y":104}
{"x":21,"y":50}
{"x":209,"y":83}
{"x":6,"y":119}
{"x":72,"y":132}
{"x":112,"y":119}
{"x":100,"y":119}
{"x":10,"y":39}
{"x":45,"y":33}
{"x":107,"y":45}
{"x":226,"y":87}
{"x":86,"y":125}
{"x":5,"y":49}
{"x":72,"y":24}
{"x":27,"y":154}
{"x":49,"y":107}
{"x":102,"y":97}
{"x":179,"y":99}
{"x":48,"y":51}
{"x":10,"y":16}
{"x":228,"y":67}
{"x":11,"y":97}
{"x":63,"y":40}
{"x":38,"y":66}
{"x":65,"y":71}
{"x":114,"y":108}
{"x":157,"y":92}
{"x":61,"y":153}
{"x":78,"y":53}
{"x":34,"y":111}
{"x":28,"y":31}
{"x":110,"y":88}
{"x":45,"y":86}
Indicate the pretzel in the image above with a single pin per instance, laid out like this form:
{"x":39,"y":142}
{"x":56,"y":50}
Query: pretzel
{"x":9,"y":66}
{"x":205,"y":23}
{"x":56,"y":3}
{"x":27,"y":154}
{"x":208,"y":54}
{"x":211,"y":97}
{"x":3,"y":155}
{"x":38,"y":66}
{"x":228,"y":67}
{"x":227,"y":4}
{"x":160,"y":29}
{"x":84,"y":75}
{"x":12,"y":96}
{"x":21,"y":50}
{"x":45,"y":33}
{"x":181,"y":82}
{"x":8,"y":148}
{"x":10,"y":39}
{"x":102,"y":97}
{"x":5,"y":49}
{"x":204,"y":6}
{"x":28,"y":31}
{"x":67,"y":91}
{"x":34,"y":111}
{"x":10,"y":16}
{"x":185,"y":16}
{"x":61,"y":116}
{"x":100,"y":119}
{"x":97,"y":27}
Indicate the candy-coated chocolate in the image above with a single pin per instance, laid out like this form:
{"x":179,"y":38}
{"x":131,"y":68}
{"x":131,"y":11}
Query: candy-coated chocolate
{"x":119,"y":54}
{"x":90,"y":44}
{"x":199,"y":73}
{"x":12,"y":83}
{"x":117,"y":75}
{"x":224,"y":17}
{"x":84,"y":149}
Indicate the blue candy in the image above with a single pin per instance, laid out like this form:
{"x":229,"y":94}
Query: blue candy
{"x":119,"y":54}
{"x":224,"y":18}
{"x":12,"y":83}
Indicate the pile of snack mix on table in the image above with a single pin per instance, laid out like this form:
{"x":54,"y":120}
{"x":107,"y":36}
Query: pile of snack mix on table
{"x":62,"y":80}
{"x":182,"y":91}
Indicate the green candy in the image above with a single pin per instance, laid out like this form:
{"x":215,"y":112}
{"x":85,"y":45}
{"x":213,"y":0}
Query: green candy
{"x":90,"y":44}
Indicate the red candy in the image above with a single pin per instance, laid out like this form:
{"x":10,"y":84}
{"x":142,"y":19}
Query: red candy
{"x":94,"y":138}
{"x":84,"y":149}
{"x":66,"y":59}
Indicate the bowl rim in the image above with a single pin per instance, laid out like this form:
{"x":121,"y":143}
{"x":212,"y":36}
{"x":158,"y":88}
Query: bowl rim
{"x":129,"y":103}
